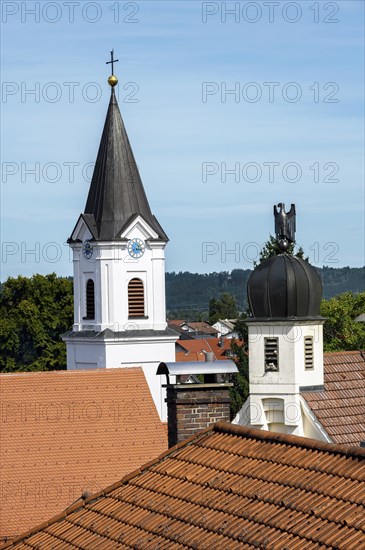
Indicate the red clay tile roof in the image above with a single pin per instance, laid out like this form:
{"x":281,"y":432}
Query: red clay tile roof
{"x":69,"y":431}
{"x":207,"y":345}
{"x":203,"y":327}
{"x":220,"y":348}
{"x":228,"y":487}
{"x":340,"y":408}
{"x":185,"y":357}
{"x":196,"y":346}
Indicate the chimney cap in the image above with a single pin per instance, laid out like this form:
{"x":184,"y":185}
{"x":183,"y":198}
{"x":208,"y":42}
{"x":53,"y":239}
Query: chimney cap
{"x":197,"y":367}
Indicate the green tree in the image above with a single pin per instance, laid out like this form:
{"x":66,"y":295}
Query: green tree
{"x":34,"y":313}
{"x":224,"y":307}
{"x":240,"y":389}
{"x":341,"y":332}
{"x":187,"y":294}
{"x":241,"y":326}
{"x":271,"y":248}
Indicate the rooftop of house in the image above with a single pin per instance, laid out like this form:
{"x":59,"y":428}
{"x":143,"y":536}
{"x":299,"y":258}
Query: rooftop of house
{"x":181,"y":328}
{"x":226,"y":487}
{"x":188,"y":356}
{"x":229,"y":323}
{"x":340,"y":408}
{"x":68,"y":432}
{"x":219,"y":347}
{"x":203,"y":327}
{"x":192,"y":328}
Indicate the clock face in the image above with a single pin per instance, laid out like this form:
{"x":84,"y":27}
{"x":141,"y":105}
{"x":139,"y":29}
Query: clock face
{"x":87,"y":250}
{"x":136,"y":248}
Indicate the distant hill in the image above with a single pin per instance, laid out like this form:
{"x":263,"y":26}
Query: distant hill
{"x":191,"y":292}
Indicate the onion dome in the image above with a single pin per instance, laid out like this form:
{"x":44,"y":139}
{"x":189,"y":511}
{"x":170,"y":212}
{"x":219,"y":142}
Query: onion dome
{"x":284,"y":286}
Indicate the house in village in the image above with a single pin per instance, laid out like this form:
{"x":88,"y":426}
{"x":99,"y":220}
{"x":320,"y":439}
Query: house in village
{"x":226,"y":328}
{"x":196,"y":350}
{"x":188,"y":330}
{"x":182,"y":328}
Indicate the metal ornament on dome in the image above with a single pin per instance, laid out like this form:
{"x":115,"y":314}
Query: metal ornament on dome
{"x":284,"y":226}
{"x":284,"y":286}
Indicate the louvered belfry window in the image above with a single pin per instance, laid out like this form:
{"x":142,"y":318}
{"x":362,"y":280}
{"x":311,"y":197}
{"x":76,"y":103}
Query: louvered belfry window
{"x":308,"y":353}
{"x":271,"y":354}
{"x":90,"y":299}
{"x":135,"y":298}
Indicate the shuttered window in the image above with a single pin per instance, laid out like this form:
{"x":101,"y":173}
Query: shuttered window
{"x":135,"y":298}
{"x":271,"y":354}
{"x":90,"y":299}
{"x":308,"y":353}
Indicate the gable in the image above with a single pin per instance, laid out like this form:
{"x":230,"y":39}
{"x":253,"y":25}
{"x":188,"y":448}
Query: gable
{"x":82,"y":231}
{"x":137,"y":227}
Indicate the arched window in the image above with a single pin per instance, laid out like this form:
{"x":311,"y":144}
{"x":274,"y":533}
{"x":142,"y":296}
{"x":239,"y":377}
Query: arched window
{"x":135,"y":298}
{"x":90,"y":299}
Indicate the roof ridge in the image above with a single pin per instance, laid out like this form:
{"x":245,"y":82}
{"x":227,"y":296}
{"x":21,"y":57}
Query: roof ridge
{"x":305,"y":442}
{"x":63,"y":371}
{"x":344,"y":352}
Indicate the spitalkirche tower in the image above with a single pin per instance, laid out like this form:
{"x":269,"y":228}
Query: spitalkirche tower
{"x":119,"y":267}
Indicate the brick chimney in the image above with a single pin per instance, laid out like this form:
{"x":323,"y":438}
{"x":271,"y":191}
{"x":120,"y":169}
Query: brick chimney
{"x":198,"y":397}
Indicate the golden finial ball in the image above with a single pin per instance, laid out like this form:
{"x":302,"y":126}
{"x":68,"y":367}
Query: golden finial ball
{"x":112,"y":80}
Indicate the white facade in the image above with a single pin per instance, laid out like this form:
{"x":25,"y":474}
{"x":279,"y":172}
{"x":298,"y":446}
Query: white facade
{"x":226,"y":330}
{"x":274,"y":401}
{"x":111,"y":268}
{"x":129,"y":340}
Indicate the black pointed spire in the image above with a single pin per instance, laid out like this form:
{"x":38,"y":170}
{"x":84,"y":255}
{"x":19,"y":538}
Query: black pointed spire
{"x":116,"y":192}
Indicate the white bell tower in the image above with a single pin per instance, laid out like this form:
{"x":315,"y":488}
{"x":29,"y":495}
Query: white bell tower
{"x":119,"y":268}
{"x":285,"y":336}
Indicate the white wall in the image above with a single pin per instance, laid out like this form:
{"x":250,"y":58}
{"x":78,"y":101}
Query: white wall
{"x":274,"y":402}
{"x":111,"y":268}
{"x":291,"y":374}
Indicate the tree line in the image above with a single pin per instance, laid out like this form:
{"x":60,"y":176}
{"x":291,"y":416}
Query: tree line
{"x":188,"y":294}
{"x":36,"y":311}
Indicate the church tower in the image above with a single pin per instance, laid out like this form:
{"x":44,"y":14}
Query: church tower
{"x":119,"y":268}
{"x":285,"y":336}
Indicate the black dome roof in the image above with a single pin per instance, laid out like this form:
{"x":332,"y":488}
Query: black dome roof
{"x":284,"y":286}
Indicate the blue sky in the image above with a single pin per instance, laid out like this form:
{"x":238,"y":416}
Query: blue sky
{"x":292,"y":131}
